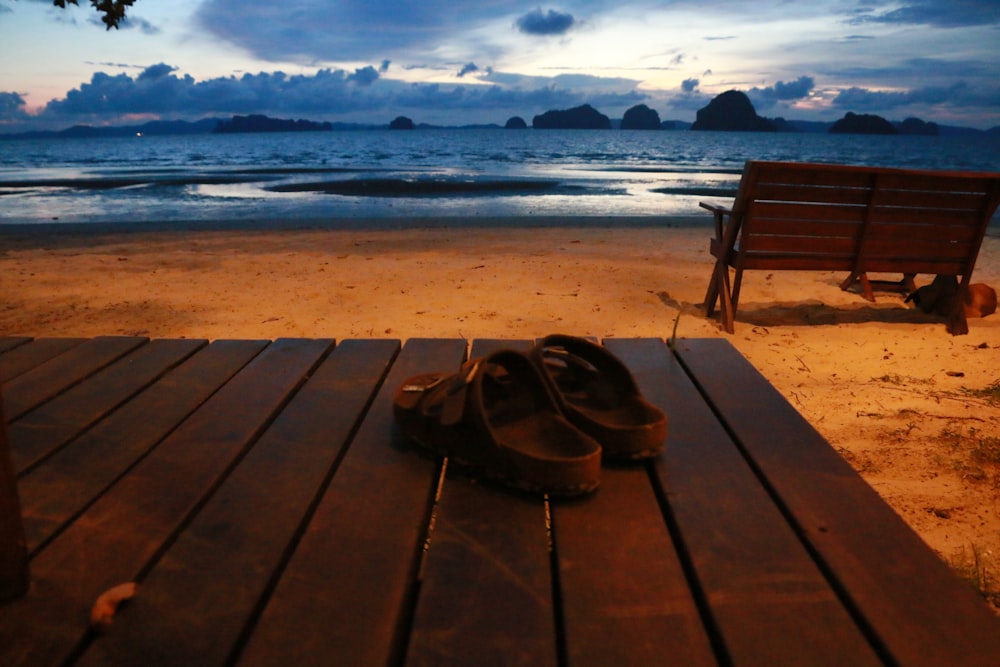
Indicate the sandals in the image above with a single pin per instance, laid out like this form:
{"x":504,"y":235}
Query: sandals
{"x":598,"y":394}
{"x":497,"y":417}
{"x":538,"y":422}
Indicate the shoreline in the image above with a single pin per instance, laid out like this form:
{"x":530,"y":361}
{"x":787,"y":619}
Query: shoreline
{"x":903,"y":401}
{"x":385,"y":223}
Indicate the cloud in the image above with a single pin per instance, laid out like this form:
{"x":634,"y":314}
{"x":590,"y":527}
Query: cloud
{"x":959,"y":94}
{"x":346,"y":30}
{"x":689,"y":85}
{"x":12,"y":107}
{"x":537,"y":22}
{"x":155,"y":72}
{"x":793,"y":90}
{"x":157,"y":90}
{"x":468,"y":68}
{"x":364,"y":76}
{"x":362,"y":94}
{"x":938,"y":13}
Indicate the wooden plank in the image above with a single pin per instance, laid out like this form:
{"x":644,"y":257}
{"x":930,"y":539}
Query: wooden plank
{"x":942,"y":201}
{"x":925,"y":265}
{"x":486,"y":586}
{"x":768,"y":601}
{"x":917,"y":249}
{"x":892,"y":579}
{"x":801,"y":173}
{"x":921,"y":231}
{"x":938,"y":181}
{"x":363,"y":544}
{"x":25,"y":357}
{"x":799,"y":245}
{"x":626,"y":599}
{"x":796,"y":225}
{"x":71,"y":479}
{"x":486,"y":591}
{"x":196,"y":603}
{"x":815,"y":195}
{"x":52,"y":425}
{"x":14,"y":576}
{"x":34,"y":387}
{"x":785,"y":262}
{"x":8,"y":343}
{"x":119,"y":537}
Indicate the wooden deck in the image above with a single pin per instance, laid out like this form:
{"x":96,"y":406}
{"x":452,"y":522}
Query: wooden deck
{"x":272,"y":514}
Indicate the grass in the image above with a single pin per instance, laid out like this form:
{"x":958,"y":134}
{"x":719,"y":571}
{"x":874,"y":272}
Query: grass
{"x":972,"y":454}
{"x":990,"y":393}
{"x":974,"y":568}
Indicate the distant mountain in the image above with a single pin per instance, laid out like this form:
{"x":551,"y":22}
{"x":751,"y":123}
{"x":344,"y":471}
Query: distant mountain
{"x":731,"y":111}
{"x":583,"y":117}
{"x":641,"y":117}
{"x":152,"y":128}
{"x":853,"y":123}
{"x":259,"y":123}
{"x":570,"y":116}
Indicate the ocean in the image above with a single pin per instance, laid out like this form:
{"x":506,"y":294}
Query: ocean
{"x":461,"y":175}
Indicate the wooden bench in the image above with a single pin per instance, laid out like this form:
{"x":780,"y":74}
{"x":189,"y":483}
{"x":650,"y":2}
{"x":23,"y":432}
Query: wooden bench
{"x":272,"y":514}
{"x":860,"y":220}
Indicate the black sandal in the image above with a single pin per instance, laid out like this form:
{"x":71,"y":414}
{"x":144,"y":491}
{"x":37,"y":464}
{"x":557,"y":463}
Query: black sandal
{"x":496,"y":416}
{"x":598,"y":394}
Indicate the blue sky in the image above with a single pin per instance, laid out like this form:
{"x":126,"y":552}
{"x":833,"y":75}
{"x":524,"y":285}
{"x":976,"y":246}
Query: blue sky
{"x":483,"y":61}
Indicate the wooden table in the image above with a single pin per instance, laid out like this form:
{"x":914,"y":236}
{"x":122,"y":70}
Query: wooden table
{"x":271,"y":512}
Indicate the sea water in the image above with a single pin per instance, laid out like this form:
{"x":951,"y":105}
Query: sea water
{"x":461,"y":175}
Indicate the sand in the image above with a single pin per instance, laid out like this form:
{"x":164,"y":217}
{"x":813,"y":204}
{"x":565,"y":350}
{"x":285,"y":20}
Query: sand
{"x":892,"y":391}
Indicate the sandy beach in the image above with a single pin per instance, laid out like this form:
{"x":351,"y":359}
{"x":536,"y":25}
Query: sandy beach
{"x":913,"y":408}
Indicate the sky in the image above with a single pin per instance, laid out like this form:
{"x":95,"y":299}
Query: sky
{"x":456,"y":62}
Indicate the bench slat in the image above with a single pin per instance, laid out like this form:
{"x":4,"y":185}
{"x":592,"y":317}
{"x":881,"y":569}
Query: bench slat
{"x":896,"y":584}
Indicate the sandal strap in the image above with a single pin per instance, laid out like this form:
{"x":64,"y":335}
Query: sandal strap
{"x":453,"y":405}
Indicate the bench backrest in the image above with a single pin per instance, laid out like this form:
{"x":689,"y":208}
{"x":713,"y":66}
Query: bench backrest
{"x":839,"y":217}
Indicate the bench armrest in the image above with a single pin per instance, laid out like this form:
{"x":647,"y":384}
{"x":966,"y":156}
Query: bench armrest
{"x":719,"y":212}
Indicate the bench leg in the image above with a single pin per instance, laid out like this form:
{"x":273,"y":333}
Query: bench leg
{"x":719,"y":290}
{"x":14,"y":576}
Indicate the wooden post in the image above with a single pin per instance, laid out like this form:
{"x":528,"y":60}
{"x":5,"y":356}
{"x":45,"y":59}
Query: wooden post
{"x":14,"y":577}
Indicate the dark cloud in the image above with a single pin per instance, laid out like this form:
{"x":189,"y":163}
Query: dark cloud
{"x":346,"y":30}
{"x":154,"y":72}
{"x":364,"y":76}
{"x":957,"y":95}
{"x":792,"y":90}
{"x":537,"y":22}
{"x":468,"y":68}
{"x":159,"y":90}
{"x":689,"y":85}
{"x":938,"y":13}
{"x":12,"y":108}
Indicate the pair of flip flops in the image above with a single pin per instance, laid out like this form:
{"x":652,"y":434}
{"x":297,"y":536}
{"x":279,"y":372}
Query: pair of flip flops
{"x":540,"y":422}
